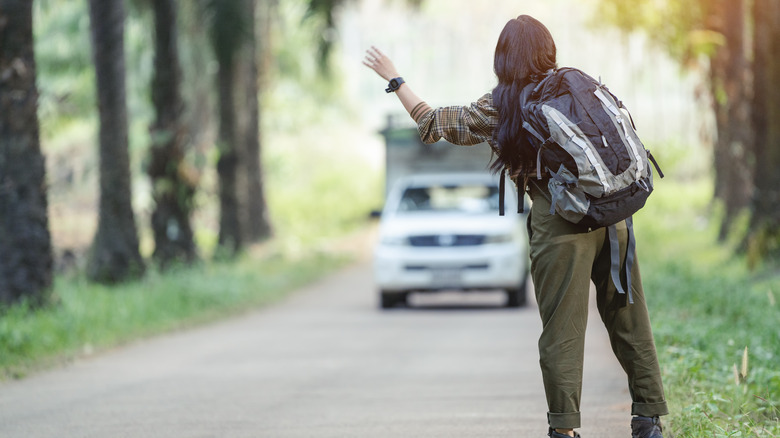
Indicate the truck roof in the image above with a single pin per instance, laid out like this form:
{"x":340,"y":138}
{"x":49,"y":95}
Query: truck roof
{"x":405,"y":155}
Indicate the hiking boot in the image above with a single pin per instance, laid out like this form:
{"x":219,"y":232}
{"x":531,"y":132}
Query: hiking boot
{"x":553,"y":434}
{"x":646,"y":427}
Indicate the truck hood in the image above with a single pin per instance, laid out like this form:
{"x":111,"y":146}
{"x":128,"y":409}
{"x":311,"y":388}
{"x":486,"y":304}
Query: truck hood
{"x":443,"y":223}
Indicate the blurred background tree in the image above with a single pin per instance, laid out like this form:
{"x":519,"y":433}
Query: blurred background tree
{"x":734,"y":41}
{"x":173,"y":183}
{"x":114,"y":255}
{"x":218,"y":174}
{"x":708,"y":35}
{"x":764,"y":234}
{"x":229,"y":29}
{"x":25,"y":244}
{"x":243,"y":211}
{"x":179,"y":161}
{"x":255,"y":221}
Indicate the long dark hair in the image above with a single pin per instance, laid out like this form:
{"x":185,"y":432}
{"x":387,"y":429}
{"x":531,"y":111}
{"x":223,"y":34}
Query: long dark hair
{"x":524,"y":53}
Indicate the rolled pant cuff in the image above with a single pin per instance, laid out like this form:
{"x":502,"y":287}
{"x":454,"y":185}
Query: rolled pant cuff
{"x":649,"y":409}
{"x":564,"y":421}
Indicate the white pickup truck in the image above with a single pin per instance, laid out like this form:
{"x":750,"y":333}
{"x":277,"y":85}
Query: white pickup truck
{"x":440,"y":228}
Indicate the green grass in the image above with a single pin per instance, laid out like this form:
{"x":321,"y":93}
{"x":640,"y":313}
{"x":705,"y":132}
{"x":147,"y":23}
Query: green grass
{"x":85,"y":317}
{"x":707,"y":308}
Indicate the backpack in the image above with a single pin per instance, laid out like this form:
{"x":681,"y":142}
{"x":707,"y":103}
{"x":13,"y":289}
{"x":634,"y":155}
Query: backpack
{"x":585,"y":139}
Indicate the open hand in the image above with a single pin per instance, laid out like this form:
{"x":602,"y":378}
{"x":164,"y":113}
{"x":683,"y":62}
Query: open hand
{"x":380,"y":63}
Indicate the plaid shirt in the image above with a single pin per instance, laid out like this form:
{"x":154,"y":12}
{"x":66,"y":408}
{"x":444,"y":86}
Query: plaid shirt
{"x":461,"y":125}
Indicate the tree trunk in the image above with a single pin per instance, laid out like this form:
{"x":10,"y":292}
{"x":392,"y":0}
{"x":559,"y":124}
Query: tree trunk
{"x":255,"y":224}
{"x":729,"y":77}
{"x":114,"y":255}
{"x":25,"y":243}
{"x":764,"y":234}
{"x":172,"y":186}
{"x":230,"y":236}
{"x":243,"y":216}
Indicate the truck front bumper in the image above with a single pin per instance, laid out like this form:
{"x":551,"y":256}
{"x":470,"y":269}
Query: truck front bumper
{"x":497,"y":266}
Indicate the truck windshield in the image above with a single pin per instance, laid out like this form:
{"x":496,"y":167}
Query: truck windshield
{"x":450,"y":198}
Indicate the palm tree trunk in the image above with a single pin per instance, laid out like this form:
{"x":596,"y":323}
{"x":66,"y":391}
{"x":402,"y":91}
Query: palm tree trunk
{"x":25,"y":242}
{"x":172,"y":189}
{"x":243,"y":212}
{"x":114,"y":255}
{"x":256,"y":225}
{"x":730,"y":86}
{"x":764,"y":234}
{"x":230,"y":236}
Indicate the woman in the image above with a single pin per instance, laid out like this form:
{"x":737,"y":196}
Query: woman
{"x":565,"y":257}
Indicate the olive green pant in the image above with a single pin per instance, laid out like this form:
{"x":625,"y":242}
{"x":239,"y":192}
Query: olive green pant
{"x":565,"y":258}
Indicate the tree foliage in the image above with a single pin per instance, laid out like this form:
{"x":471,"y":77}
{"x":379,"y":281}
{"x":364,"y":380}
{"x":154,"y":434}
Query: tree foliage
{"x":229,"y":26}
{"x":677,"y":25}
{"x":323,"y":13}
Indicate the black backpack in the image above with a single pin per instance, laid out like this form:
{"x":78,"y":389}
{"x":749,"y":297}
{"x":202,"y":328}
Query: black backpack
{"x":585,"y":139}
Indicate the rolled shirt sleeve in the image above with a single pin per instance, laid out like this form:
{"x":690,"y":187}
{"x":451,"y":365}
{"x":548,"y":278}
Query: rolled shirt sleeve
{"x":461,"y":125}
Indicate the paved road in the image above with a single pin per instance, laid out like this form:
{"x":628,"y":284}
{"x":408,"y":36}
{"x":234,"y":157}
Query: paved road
{"x":323,"y":363}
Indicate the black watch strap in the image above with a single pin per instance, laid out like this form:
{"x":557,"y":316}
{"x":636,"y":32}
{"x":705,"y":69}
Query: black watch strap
{"x":394,"y":84}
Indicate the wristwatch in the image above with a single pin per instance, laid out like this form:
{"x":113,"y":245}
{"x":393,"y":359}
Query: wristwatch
{"x":394,"y":84}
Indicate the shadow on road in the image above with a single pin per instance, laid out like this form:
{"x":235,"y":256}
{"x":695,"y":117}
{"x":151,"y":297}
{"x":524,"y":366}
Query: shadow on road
{"x":449,"y":308}
{"x":454,"y":301}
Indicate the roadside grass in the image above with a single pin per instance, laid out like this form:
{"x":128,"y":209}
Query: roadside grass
{"x":319,"y":192}
{"x":716,"y":324}
{"x":85,"y":318}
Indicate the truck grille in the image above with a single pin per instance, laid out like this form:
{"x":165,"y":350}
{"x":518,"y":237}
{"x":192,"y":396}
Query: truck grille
{"x":434,"y":240}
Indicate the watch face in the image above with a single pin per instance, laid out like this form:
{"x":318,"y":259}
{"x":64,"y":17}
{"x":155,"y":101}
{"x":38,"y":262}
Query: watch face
{"x":394,"y":83}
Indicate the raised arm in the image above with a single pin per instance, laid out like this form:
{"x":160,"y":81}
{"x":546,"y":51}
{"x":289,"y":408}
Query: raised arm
{"x":462,"y":125}
{"x":383,"y":66}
